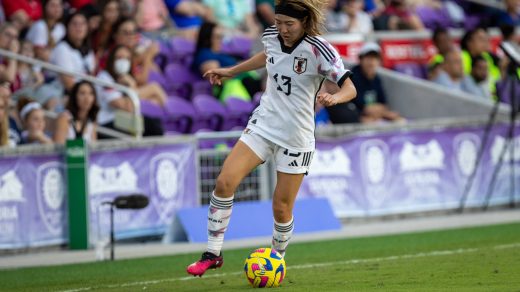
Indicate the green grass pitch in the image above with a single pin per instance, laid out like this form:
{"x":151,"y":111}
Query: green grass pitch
{"x":472,"y":259}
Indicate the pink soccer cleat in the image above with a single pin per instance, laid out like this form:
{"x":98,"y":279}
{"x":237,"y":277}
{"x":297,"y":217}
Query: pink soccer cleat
{"x":207,"y":261}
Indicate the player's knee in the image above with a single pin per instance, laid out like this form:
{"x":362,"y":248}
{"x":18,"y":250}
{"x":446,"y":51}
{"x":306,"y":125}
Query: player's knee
{"x":282,"y":211}
{"x":225,"y":186}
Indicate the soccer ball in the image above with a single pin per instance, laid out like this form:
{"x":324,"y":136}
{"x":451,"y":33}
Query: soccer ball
{"x":265,"y":267}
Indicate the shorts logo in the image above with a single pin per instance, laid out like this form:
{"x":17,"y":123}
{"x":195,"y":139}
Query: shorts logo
{"x":299,"y":65}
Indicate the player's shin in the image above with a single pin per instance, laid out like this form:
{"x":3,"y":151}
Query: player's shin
{"x":282,"y":233}
{"x":219,"y":213}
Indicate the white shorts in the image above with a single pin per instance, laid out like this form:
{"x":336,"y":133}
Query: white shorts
{"x":286,"y":160}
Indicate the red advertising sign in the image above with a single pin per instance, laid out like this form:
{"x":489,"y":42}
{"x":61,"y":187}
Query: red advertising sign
{"x":396,"y":50}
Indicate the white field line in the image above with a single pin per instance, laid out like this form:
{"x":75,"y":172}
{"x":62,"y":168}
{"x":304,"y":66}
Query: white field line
{"x":308,"y":266}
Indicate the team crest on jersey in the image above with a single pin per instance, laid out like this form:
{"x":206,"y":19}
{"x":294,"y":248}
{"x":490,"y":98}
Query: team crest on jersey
{"x":300,"y":65}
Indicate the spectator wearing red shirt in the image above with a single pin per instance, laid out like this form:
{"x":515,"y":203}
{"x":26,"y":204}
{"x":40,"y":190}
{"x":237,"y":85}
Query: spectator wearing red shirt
{"x":398,"y":16}
{"x":78,"y":4}
{"x":22,"y":12}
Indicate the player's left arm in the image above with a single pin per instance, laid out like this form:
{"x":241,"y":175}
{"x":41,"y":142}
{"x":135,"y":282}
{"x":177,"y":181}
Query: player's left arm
{"x":346,"y":93}
{"x":332,"y":68}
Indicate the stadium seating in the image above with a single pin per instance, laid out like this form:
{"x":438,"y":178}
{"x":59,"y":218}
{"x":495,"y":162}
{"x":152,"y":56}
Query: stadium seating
{"x":239,"y":112}
{"x":211,"y":113}
{"x":181,"y":115}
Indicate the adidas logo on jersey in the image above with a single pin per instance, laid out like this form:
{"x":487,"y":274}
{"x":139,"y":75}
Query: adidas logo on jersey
{"x":294,"y":163}
{"x":271,"y":60}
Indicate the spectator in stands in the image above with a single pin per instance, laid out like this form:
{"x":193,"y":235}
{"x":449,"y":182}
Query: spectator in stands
{"x":9,"y":41}
{"x":509,"y":34}
{"x":14,"y":135}
{"x":357,"y":21}
{"x":110,"y":100}
{"x":452,"y":75}
{"x":151,"y":16}
{"x":22,"y":12}
{"x":511,"y":16}
{"x":208,"y":56}
{"x":478,"y":84}
{"x":30,"y":77}
{"x":476,"y":43}
{"x":187,"y":16}
{"x":45,"y":33}
{"x":93,"y":17}
{"x":103,"y":35}
{"x":398,"y":16}
{"x":235,"y":16}
{"x":128,"y":8}
{"x":265,"y":12}
{"x":371,"y":98}
{"x":32,"y":117}
{"x":143,"y":49}
{"x":335,"y":19}
{"x":79,"y":4}
{"x":74,"y":53}
{"x":79,"y":118}
{"x":443,"y":43}
{"x":4,"y":123}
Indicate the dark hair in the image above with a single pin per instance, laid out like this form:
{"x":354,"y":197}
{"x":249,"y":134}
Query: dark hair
{"x":468,"y":36}
{"x":112,"y":59}
{"x":89,"y":10}
{"x":84,"y":48}
{"x":507,"y":31}
{"x":44,"y":5}
{"x":72,"y":104}
{"x":438,"y":31}
{"x":23,"y":101}
{"x":205,"y":33}
{"x":117,"y":26}
{"x":478,"y":58}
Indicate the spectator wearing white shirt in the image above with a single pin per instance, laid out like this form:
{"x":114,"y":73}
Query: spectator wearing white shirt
{"x":110,"y":100}
{"x":45,"y":33}
{"x":357,"y":21}
{"x":73,"y":53}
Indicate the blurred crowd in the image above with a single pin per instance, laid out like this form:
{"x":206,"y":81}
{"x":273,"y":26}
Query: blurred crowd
{"x":150,"y":45}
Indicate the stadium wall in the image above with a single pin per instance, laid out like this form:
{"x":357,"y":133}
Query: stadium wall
{"x":361,"y":170}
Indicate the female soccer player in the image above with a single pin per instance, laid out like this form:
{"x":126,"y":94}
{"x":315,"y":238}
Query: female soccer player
{"x":282,"y":127}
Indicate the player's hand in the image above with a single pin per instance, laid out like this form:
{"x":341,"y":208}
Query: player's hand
{"x":327,"y":99}
{"x":217,"y":75}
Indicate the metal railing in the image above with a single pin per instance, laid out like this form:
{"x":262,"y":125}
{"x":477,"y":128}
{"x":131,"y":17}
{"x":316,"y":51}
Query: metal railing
{"x":126,"y":90}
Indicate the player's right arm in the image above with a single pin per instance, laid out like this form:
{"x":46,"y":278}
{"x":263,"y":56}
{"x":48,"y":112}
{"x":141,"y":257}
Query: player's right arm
{"x":217,"y":75}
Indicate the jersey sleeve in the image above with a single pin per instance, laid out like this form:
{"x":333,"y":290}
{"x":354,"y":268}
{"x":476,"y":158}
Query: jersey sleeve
{"x":269,"y":32}
{"x":330,"y":64}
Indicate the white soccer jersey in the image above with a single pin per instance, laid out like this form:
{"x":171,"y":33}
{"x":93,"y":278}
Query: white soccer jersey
{"x":285,"y":115}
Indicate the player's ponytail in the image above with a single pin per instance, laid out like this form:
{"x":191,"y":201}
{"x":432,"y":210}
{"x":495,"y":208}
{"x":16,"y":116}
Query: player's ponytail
{"x":314,"y":22}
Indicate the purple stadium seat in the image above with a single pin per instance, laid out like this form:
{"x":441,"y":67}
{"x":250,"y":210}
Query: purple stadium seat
{"x":237,"y":46}
{"x":181,"y":51}
{"x":433,"y":18}
{"x":201,"y":87}
{"x":152,"y":110}
{"x":179,"y":79}
{"x":157,"y":77}
{"x":211,"y":113}
{"x":411,"y":69}
{"x":180,"y":115}
{"x":239,"y":112}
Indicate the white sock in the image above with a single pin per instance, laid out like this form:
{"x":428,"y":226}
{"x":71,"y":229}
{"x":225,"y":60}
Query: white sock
{"x":219,"y":213}
{"x":282,"y":233}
